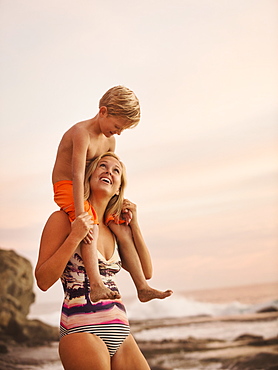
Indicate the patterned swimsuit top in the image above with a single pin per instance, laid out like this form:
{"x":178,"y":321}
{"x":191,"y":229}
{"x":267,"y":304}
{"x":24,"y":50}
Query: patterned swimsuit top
{"x":75,"y":280}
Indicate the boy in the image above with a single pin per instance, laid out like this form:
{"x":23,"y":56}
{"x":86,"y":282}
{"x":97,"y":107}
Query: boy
{"x":119,"y":109}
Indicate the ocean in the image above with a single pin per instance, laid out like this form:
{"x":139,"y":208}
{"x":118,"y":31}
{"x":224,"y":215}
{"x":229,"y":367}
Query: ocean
{"x":210,"y":303}
{"x":193,"y":329}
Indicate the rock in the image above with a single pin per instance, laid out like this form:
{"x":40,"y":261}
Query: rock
{"x":206,"y":354}
{"x":3,"y":348}
{"x":263,"y":360}
{"x":268,"y":309}
{"x":249,"y":337}
{"x":16,"y":297}
{"x":16,"y":276}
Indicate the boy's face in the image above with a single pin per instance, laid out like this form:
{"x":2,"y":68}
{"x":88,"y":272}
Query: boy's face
{"x":111,"y":125}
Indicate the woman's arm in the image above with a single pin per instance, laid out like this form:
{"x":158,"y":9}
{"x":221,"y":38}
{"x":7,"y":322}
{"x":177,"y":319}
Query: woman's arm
{"x":58,"y":242}
{"x":141,"y":247}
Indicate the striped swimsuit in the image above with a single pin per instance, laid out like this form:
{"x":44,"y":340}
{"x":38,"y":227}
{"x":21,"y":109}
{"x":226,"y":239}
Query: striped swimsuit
{"x":106,"y":318}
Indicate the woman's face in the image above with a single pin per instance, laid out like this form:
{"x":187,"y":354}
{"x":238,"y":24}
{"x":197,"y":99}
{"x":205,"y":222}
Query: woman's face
{"x":107,"y":176}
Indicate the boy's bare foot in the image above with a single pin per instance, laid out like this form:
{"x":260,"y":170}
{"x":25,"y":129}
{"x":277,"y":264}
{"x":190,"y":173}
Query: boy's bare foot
{"x":149,"y":293}
{"x":101,"y":292}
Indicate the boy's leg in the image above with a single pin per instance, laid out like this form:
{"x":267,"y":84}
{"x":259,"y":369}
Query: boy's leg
{"x":89,"y":255}
{"x":131,"y":262}
{"x":63,"y":196}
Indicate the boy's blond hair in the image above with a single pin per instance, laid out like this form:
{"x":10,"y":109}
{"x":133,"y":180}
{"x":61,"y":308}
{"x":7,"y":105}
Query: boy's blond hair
{"x":114,"y":206}
{"x":122,"y":102}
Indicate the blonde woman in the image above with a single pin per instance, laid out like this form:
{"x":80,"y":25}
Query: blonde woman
{"x":94,"y":335}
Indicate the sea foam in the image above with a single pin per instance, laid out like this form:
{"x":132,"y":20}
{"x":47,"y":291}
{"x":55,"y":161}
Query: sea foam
{"x":174,"y":307}
{"x":179,"y":306}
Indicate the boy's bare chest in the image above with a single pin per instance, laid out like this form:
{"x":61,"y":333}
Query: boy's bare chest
{"x":96,"y":148}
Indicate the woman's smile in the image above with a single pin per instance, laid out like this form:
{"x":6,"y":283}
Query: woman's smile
{"x":106,"y":179}
{"x":108,"y":173}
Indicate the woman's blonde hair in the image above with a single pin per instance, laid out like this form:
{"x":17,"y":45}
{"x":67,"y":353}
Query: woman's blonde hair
{"x":122,"y":102}
{"x":114,"y":206}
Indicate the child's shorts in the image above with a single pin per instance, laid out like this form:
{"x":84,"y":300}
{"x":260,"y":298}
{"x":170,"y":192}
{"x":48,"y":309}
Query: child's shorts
{"x":63,"y":197}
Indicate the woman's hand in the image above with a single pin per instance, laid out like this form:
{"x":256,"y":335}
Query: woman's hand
{"x":59,"y":240}
{"x":82,"y":228}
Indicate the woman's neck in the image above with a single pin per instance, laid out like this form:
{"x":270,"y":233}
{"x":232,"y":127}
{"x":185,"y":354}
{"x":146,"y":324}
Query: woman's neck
{"x":99,"y":205}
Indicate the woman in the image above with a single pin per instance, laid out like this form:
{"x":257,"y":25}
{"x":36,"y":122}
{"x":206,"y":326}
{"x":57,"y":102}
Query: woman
{"x":112,"y":346}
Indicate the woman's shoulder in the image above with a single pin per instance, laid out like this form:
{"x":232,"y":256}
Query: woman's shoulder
{"x":58,"y":219}
{"x":59,"y":215}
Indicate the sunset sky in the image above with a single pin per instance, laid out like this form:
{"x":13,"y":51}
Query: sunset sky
{"x":203,"y":162}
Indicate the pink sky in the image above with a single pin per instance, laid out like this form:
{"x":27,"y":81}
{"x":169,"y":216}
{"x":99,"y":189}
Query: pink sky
{"x":202,"y":164}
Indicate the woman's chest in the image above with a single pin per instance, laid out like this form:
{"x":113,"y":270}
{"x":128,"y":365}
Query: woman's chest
{"x":106,"y":242}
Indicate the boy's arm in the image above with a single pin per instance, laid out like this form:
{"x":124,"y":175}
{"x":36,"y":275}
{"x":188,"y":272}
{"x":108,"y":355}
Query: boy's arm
{"x":80,"y":143}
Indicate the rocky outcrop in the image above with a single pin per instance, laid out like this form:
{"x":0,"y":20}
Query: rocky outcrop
{"x":16,"y":297}
{"x":245,"y":353}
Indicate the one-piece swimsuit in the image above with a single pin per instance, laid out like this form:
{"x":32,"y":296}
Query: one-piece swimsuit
{"x":106,"y":318}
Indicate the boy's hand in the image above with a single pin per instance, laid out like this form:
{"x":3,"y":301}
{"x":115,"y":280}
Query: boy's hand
{"x":92,"y":234}
{"x":129,"y":211}
{"x":89,"y":237}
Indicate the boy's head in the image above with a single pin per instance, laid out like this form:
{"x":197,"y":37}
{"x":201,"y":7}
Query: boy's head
{"x":123,"y":103}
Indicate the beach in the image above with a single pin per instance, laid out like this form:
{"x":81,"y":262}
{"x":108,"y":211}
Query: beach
{"x":234,"y":328}
{"x":196,"y":350}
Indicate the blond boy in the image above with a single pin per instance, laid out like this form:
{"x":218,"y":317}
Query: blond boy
{"x":119,"y":109}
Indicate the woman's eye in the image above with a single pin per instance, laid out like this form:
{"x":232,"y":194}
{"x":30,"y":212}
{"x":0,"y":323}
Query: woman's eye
{"x":102,"y":165}
{"x":116,"y":170}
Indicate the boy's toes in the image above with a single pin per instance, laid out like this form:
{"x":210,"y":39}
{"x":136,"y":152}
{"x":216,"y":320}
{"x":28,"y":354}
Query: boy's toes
{"x":116,"y":295}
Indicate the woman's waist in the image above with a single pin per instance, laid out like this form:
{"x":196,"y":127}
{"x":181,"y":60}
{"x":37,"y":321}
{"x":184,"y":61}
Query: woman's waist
{"x":84,"y":303}
{"x":78,"y":310}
